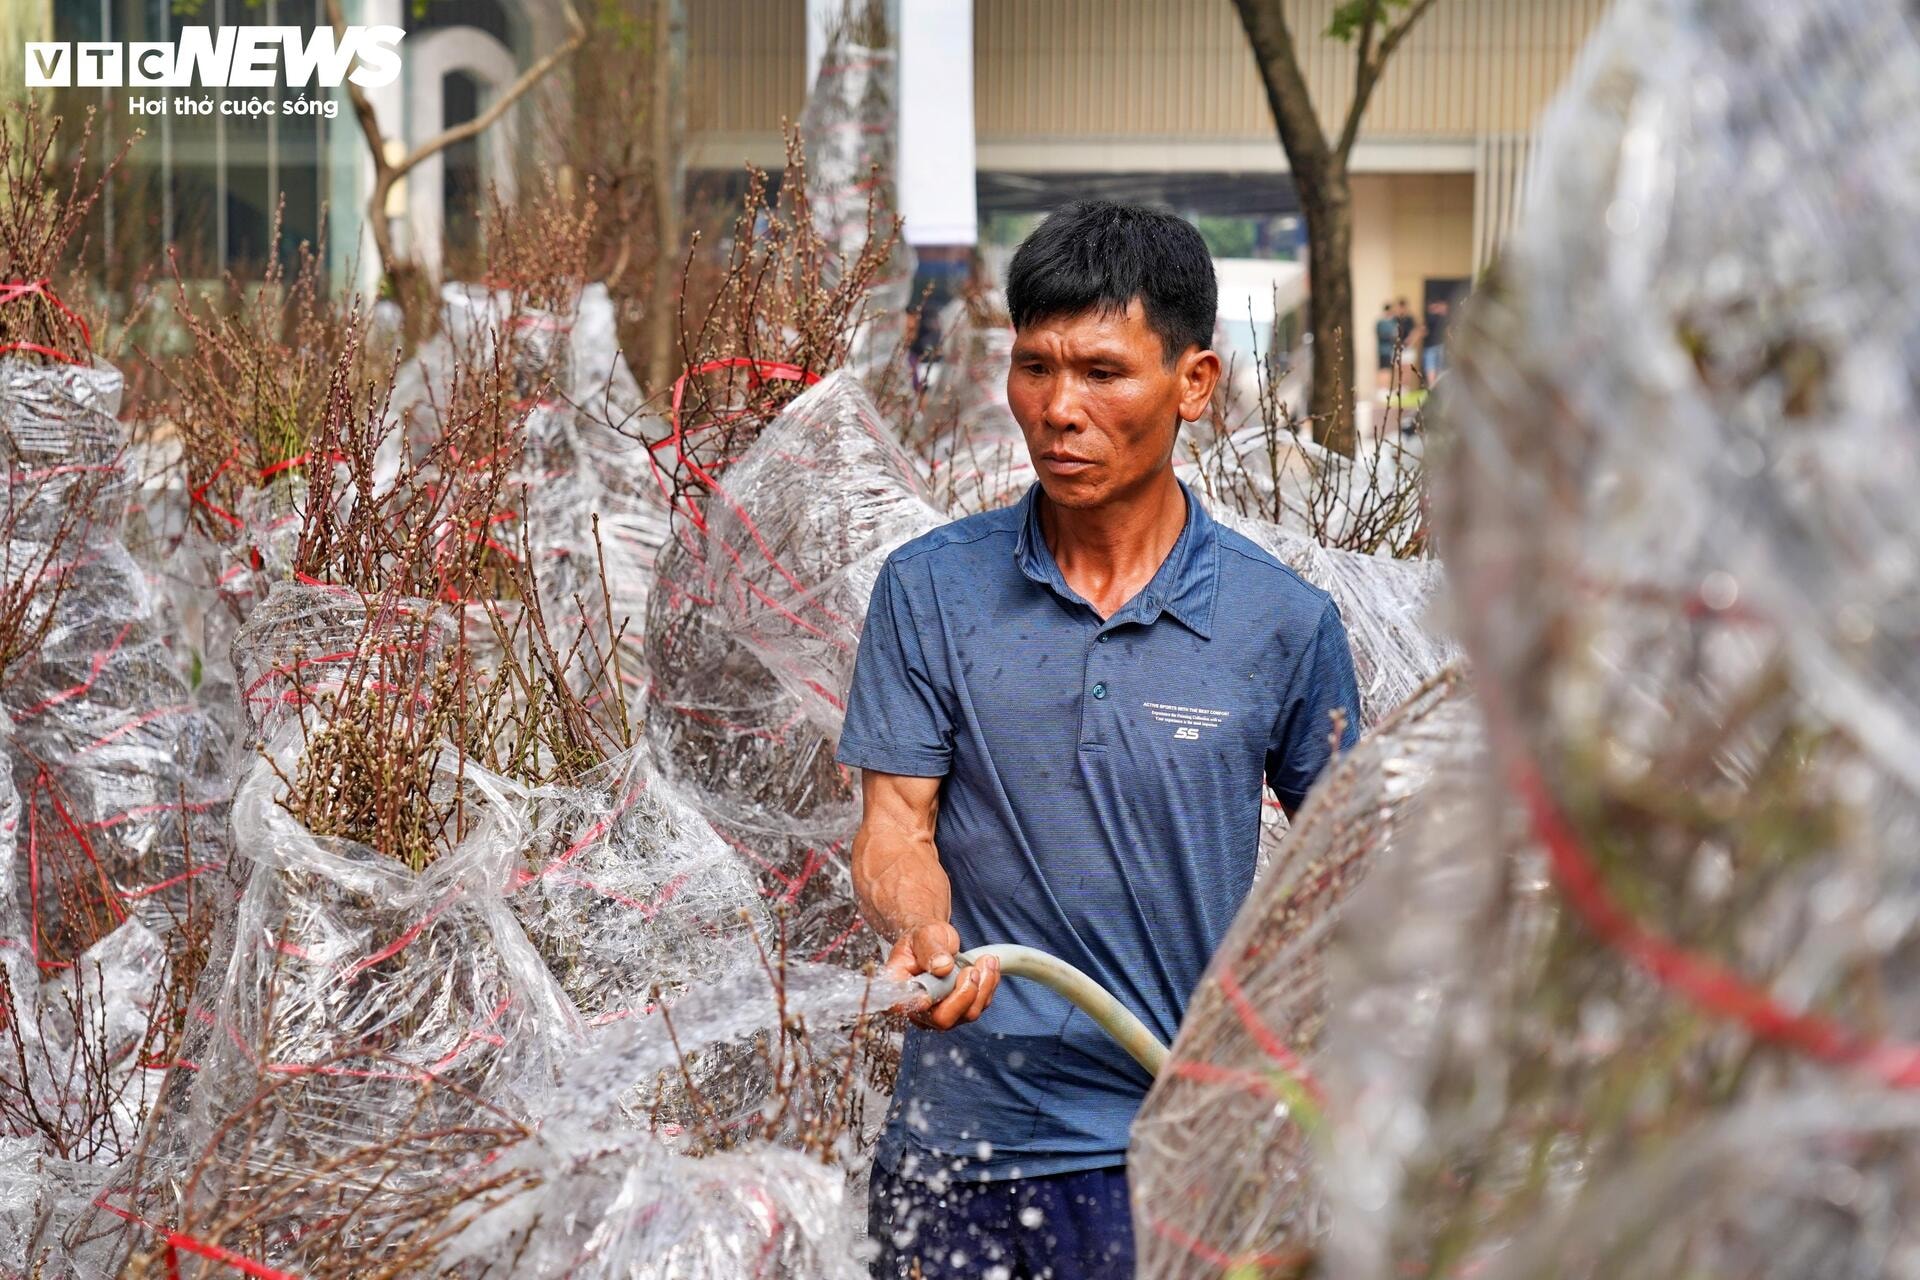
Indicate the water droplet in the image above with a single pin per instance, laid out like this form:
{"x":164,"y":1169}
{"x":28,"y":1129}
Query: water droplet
{"x":1031,"y":1217}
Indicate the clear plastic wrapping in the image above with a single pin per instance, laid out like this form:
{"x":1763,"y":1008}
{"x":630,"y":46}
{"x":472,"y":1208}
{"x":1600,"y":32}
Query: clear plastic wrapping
{"x":16,"y":941}
{"x":758,"y":1183}
{"x":847,"y":129}
{"x":798,"y":530}
{"x":1640,"y":999}
{"x":375,"y":1025}
{"x":976,"y":455}
{"x":621,"y":485}
{"x":761,"y":1212}
{"x":1386,"y":605}
{"x":117,"y":770}
{"x":305,"y":642}
{"x":48,"y":1227}
{"x":629,"y":896}
{"x":628,"y":1206}
{"x":752,"y":634}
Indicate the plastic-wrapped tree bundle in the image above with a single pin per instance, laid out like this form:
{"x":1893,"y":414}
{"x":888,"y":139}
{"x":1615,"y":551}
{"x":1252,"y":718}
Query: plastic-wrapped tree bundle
{"x":751,"y":637}
{"x":631,"y":1207}
{"x":601,"y":385}
{"x":493,"y":338}
{"x":976,"y":453}
{"x":759,"y":1212}
{"x":117,"y":769}
{"x":49,"y":1226}
{"x":206,"y":591}
{"x":479,"y":328}
{"x":478,"y":323}
{"x":847,"y":128}
{"x":63,"y":446}
{"x":378,"y":1025}
{"x":741,"y":745}
{"x":763,"y":1182}
{"x":78,"y":1077}
{"x":555,"y":495}
{"x":96,"y":1025}
{"x":1678,"y":1041}
{"x":1383,"y":602}
{"x":16,"y":943}
{"x":629,"y":896}
{"x":306,"y":642}
{"x":76,"y":1088}
{"x":621,"y":490}
{"x":798,"y":531}
{"x":1246,"y":1059}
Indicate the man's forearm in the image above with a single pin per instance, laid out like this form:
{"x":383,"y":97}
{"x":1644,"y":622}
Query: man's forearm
{"x":905,"y":895}
{"x":899,"y":883}
{"x":896,"y":868}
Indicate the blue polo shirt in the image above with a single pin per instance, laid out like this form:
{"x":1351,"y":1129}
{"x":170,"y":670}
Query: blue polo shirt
{"x":1100,"y":800}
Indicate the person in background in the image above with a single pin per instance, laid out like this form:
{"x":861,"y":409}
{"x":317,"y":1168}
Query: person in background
{"x":1433,"y":356}
{"x":1386,"y":336}
{"x":1406,"y":328}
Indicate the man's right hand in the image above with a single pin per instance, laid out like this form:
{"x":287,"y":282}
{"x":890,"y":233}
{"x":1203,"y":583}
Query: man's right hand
{"x":933,"y":948}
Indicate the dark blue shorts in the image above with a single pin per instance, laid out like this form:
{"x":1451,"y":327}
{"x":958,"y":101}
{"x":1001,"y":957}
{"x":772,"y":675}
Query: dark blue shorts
{"x":1070,"y":1226}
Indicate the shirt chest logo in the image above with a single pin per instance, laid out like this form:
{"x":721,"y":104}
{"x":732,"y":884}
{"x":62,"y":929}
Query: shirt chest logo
{"x":1188,"y":723}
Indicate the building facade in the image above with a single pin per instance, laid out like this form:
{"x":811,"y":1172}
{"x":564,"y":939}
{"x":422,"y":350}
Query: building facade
{"x":1048,"y":99}
{"x":1160,"y":100}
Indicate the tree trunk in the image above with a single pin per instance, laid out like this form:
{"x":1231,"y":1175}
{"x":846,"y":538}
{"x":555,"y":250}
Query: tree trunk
{"x":1326,"y":200}
{"x":663,"y":320}
{"x":404,"y":279}
{"x":1320,"y":176}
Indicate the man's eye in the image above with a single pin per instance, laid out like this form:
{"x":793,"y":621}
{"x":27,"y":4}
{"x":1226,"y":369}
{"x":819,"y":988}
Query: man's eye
{"x":1033,"y":368}
{"x":1101,"y":375}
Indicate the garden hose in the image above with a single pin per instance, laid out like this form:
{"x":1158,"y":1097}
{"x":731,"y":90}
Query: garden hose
{"x":1057,"y":975}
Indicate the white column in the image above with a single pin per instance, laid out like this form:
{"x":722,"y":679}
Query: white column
{"x":936,"y":152}
{"x":431,"y":58}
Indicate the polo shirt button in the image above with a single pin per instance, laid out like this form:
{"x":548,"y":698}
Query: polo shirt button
{"x":1100,"y":690}
{"x":1102,"y":637}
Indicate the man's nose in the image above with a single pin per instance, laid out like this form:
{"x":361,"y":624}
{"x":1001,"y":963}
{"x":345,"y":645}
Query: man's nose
{"x":1064,"y":409}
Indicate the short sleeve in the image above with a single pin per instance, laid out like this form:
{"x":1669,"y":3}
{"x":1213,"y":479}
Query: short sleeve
{"x":1323,"y":684}
{"x":897,"y":721}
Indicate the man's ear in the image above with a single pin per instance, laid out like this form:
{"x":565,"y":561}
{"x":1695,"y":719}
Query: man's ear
{"x":1198,"y":372}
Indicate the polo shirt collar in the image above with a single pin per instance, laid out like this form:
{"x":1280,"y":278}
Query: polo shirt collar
{"x":1183,"y":586}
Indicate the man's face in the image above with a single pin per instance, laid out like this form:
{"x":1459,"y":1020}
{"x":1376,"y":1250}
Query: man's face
{"x":1100,"y":405}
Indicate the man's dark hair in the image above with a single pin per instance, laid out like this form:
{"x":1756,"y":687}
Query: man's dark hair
{"x":1095,"y":255}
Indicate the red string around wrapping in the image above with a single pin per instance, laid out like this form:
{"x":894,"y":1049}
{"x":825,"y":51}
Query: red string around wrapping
{"x":1264,"y":1037}
{"x":297,"y":460}
{"x":199,"y":494}
{"x":757,"y":371}
{"x":199,"y":1248}
{"x":1704,"y":982}
{"x":1221,"y":1258}
{"x":14,"y":290}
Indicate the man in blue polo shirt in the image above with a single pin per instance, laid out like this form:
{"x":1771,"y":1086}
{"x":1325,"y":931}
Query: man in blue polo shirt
{"x":1064,"y":713}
